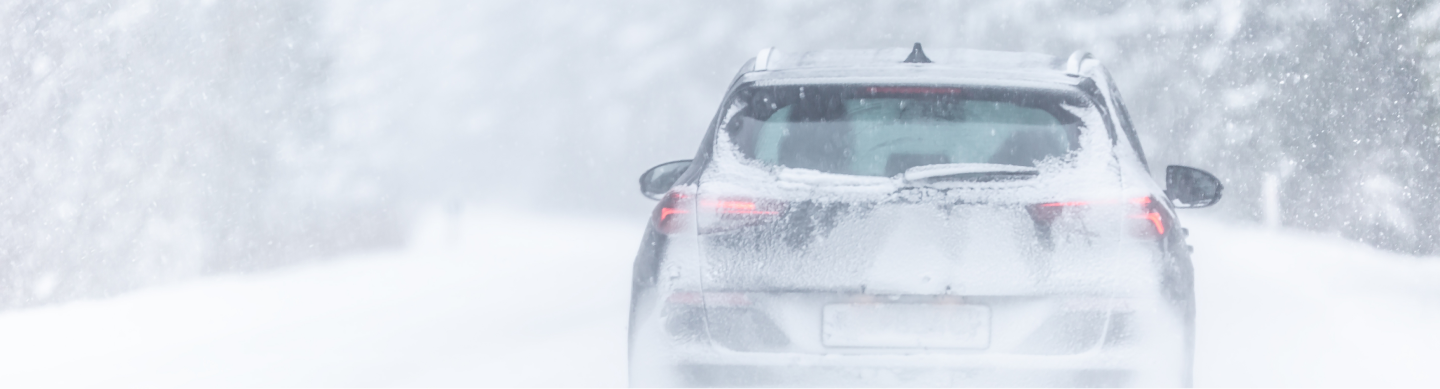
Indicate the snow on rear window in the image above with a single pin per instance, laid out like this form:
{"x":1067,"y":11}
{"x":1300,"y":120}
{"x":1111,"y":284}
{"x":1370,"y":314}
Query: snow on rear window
{"x":884,"y":130}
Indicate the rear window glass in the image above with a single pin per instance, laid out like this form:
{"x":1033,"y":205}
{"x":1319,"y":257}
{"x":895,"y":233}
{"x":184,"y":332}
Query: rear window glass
{"x":874,"y":130}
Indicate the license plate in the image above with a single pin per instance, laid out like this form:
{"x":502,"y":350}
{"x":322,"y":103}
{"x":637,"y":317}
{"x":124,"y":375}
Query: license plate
{"x":907,"y":325}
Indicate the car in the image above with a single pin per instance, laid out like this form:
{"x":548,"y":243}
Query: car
{"x":894,"y":217}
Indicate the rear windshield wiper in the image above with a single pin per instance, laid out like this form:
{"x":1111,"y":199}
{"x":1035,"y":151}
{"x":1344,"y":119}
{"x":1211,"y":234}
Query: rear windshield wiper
{"x":979,"y":172}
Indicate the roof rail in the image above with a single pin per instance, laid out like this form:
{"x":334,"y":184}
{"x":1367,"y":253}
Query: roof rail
{"x":762,"y":60}
{"x":1072,"y":67}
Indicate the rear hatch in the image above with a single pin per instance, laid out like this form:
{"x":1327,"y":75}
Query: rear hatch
{"x":919,"y":268}
{"x":839,"y":218}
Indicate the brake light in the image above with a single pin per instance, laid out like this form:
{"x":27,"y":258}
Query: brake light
{"x":723,"y":214}
{"x":677,"y":210}
{"x":737,"y":207}
{"x":666,"y":212}
{"x":913,"y":90}
{"x":673,"y":212}
{"x":1047,"y":212}
{"x":1150,"y":213}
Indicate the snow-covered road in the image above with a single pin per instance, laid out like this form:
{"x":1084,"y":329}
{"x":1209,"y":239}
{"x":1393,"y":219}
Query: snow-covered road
{"x":1279,"y":308}
{"x":512,"y":299}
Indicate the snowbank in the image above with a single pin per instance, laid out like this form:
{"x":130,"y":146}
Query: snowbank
{"x":1285,"y":308}
{"x":492,"y":299}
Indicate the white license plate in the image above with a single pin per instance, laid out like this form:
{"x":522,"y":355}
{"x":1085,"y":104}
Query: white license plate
{"x":906,"y":325}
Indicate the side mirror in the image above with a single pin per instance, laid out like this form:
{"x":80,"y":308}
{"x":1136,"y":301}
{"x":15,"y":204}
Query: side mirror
{"x":1189,"y":187}
{"x":658,"y":180}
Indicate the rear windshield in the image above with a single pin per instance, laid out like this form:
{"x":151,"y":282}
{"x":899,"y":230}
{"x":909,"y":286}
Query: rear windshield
{"x":882,"y":130}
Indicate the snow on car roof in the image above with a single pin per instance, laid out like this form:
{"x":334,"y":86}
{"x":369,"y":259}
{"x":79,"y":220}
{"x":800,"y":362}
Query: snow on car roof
{"x":885,"y":65}
{"x":780,"y":59}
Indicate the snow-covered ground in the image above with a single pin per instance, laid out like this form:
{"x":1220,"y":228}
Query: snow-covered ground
{"x":1284,"y":308}
{"x":496,"y":298}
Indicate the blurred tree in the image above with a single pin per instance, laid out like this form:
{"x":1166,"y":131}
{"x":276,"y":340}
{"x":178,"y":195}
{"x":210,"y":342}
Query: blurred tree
{"x":144,"y":142}
{"x":567,"y":101}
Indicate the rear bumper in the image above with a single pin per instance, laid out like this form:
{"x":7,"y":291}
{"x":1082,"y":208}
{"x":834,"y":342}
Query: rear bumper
{"x":909,"y":376}
{"x":728,"y":368}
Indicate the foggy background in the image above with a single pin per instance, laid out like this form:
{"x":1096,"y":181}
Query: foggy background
{"x":144,"y":142}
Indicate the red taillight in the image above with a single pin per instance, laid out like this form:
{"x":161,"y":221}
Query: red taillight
{"x":666,"y":212}
{"x":736,"y":207}
{"x":678,"y":210}
{"x":913,"y":90}
{"x":1047,"y":212}
{"x":1150,"y":213}
{"x":728,"y":213}
{"x":672,"y":213}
